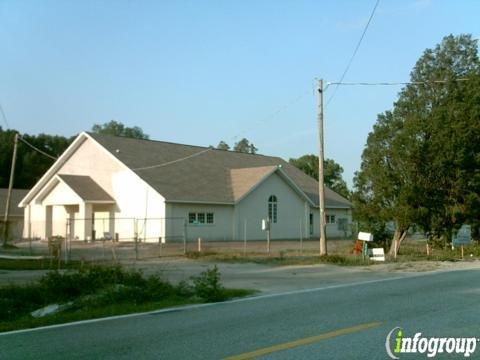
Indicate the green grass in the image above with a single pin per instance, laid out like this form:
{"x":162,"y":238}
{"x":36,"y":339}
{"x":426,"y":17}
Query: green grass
{"x":283,"y":259}
{"x":99,"y":291}
{"x":37,"y":264}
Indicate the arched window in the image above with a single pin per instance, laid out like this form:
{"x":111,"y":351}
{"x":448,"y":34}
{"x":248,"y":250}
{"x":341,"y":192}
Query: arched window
{"x":272,"y":208}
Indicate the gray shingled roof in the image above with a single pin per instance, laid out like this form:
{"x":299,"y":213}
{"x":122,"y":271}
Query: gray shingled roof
{"x":86,"y":188}
{"x":204,"y":175}
{"x":17,"y":196}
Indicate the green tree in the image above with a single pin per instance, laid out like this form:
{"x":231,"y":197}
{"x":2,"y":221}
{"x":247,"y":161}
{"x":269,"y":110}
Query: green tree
{"x":222,"y":145}
{"x":116,"y":128}
{"x":332,"y":172}
{"x":31,"y":165}
{"x":245,"y":146}
{"x":420,"y":162}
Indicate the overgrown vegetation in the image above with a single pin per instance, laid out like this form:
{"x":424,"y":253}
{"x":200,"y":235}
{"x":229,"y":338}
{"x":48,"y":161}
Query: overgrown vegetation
{"x":97,"y":291}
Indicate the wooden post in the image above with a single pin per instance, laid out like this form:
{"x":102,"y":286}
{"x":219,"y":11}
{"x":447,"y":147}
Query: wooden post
{"x":461,"y":246}
{"x":268,"y":236}
{"x":321,"y":187}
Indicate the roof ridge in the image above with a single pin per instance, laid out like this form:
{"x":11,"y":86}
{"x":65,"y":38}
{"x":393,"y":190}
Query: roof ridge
{"x":94,"y":134}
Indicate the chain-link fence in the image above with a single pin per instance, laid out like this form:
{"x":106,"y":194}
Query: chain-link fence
{"x":102,"y":238}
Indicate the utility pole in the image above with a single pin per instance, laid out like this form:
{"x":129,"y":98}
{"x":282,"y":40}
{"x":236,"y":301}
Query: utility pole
{"x":321,"y":187}
{"x":9,"y":193}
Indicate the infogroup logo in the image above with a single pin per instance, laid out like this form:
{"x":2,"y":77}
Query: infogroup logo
{"x":429,"y":346}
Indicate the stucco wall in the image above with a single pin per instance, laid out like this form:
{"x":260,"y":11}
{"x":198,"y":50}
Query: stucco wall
{"x":220,"y":230}
{"x":134,"y":198}
{"x":332,"y":230}
{"x":254,"y":207}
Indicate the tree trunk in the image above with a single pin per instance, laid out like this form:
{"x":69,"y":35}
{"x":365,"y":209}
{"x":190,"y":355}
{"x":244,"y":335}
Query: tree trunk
{"x":398,"y":237}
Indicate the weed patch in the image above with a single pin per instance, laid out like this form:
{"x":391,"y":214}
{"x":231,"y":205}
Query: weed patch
{"x":97,"y":291}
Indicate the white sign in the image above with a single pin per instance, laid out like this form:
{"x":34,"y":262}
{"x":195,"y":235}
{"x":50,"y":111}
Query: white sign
{"x":264,"y":224}
{"x":364,"y":236}
{"x":377,"y":254}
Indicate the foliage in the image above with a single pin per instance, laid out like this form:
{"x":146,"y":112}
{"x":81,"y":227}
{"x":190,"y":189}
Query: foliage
{"x":245,"y":146}
{"x":207,"y":285}
{"x":222,"y":145}
{"x":30,"y":165}
{"x":332,"y":172}
{"x":420,"y":164}
{"x":103,"y":290}
{"x":116,"y":128}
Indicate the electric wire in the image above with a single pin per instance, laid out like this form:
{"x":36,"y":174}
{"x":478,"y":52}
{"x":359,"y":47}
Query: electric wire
{"x":4,"y":116}
{"x":35,"y":148}
{"x":173,"y":161}
{"x":430,"y":82}
{"x":354,"y":52}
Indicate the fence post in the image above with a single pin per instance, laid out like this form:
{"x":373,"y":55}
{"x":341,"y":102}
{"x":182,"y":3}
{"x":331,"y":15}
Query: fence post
{"x":245,"y":237}
{"x":268,"y":237}
{"x":65,"y":250}
{"x":184,"y":237}
{"x":301,"y":237}
{"x":135,"y":238}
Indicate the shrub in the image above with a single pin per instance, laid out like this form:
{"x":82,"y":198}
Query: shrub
{"x":207,"y":285}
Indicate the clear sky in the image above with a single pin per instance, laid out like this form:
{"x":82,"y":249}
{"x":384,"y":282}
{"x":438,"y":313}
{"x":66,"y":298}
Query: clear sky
{"x":198,"y":72}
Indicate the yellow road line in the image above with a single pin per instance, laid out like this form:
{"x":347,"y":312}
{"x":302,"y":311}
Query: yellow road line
{"x":304,"y":341}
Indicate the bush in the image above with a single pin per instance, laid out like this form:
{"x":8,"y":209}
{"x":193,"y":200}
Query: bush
{"x":207,"y":285}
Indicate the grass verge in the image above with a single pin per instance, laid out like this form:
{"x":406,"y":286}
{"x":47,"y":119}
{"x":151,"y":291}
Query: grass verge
{"x":282,"y":259}
{"x":37,"y":264}
{"x":99,"y":291}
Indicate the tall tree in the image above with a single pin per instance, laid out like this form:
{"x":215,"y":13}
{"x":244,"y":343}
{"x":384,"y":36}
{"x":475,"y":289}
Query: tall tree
{"x":419,"y":164}
{"x":116,"y":128}
{"x":332,"y":172}
{"x":245,"y":146}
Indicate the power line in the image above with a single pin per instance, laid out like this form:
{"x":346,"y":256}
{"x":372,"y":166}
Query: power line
{"x":355,"y":51}
{"x":35,"y":148}
{"x":394,"y":83}
{"x":272,"y":115}
{"x":4,"y":117}
{"x":172,"y":162}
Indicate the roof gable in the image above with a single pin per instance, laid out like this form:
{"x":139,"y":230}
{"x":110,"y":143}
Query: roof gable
{"x":86,"y":188}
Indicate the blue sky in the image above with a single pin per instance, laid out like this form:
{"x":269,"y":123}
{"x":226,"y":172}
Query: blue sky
{"x":198,"y":72}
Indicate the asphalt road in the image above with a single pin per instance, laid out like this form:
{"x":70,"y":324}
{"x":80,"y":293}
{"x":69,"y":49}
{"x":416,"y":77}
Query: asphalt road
{"x":346,"y":321}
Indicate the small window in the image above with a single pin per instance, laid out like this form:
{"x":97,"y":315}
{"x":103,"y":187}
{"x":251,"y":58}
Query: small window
{"x":330,"y":219}
{"x":209,"y":218}
{"x":192,"y":218}
{"x":201,"y":218}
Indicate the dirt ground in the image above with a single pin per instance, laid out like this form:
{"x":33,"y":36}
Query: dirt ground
{"x":169,"y":262}
{"x":269,"y":278}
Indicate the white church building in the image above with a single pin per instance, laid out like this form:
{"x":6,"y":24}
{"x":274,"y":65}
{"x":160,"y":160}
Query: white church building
{"x":115,"y":187}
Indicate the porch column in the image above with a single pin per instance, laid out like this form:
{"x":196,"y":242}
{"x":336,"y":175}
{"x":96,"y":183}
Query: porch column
{"x":48,"y":221}
{"x":111,"y":222}
{"x":85,"y":220}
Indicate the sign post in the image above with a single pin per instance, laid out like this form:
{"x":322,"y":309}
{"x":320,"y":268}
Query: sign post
{"x":266,"y":227}
{"x":463,"y":237}
{"x":365,"y":237}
